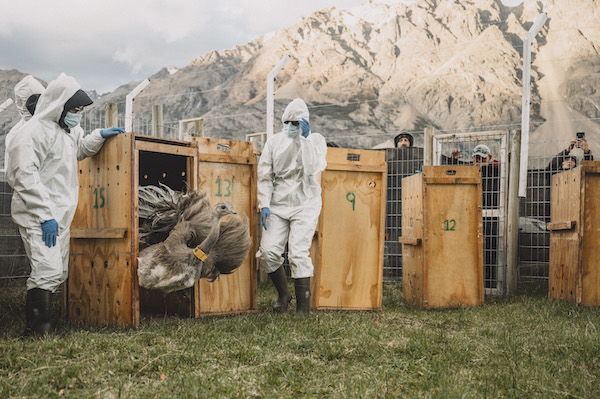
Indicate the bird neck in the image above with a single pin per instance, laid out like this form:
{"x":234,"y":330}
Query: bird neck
{"x":212,"y":237}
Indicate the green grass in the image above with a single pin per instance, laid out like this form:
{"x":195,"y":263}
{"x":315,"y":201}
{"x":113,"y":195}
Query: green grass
{"x":519,"y":347}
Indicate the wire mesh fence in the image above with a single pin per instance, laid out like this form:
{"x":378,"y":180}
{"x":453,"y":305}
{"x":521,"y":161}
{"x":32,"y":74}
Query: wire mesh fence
{"x":534,"y":239}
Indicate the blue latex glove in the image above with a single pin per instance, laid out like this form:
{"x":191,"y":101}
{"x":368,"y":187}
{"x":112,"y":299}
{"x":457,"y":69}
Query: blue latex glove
{"x":305,"y":126}
{"x":49,"y":232}
{"x":111,"y":131}
{"x":265,"y":213}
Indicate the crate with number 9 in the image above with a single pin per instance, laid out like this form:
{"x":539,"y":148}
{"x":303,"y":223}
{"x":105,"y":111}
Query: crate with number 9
{"x":442,"y":233}
{"x":347,"y":249}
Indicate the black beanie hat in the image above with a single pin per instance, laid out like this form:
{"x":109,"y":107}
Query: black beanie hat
{"x":398,"y":137}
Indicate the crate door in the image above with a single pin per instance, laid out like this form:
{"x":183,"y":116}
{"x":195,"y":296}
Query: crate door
{"x":102,"y":283}
{"x":454,"y":268}
{"x":564,"y":243}
{"x":412,"y":234}
{"x":236,"y":291}
{"x":350,"y":267}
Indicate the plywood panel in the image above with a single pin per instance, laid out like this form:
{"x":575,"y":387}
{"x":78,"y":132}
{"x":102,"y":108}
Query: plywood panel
{"x":106,"y":292}
{"x":564,"y":244}
{"x":453,"y":245}
{"x":590,"y":264}
{"x":412,"y":226}
{"x":233,"y":183}
{"x":350,"y":269}
{"x":100,"y":285}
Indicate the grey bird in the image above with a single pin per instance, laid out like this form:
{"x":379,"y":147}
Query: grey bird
{"x":186,"y":238}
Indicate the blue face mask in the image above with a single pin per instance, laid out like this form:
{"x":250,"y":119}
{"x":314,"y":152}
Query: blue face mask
{"x":290,"y":130}
{"x":72,"y":120}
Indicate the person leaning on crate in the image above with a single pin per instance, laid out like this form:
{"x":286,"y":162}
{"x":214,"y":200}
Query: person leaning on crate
{"x":42,"y":170}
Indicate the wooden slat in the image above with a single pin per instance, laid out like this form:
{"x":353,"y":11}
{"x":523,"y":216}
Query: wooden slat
{"x":409,"y":240}
{"x":357,"y":167}
{"x":99,"y":233}
{"x":216,"y":146}
{"x":452,"y":180}
{"x":226,"y":158}
{"x":346,"y":156}
{"x":164,"y":148}
{"x":557,"y":226}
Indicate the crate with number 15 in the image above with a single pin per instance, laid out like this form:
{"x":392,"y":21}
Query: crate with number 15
{"x":442,"y":254}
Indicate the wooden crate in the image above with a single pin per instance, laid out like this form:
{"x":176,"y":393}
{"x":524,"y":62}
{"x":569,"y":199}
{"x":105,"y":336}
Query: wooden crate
{"x":227,"y":171}
{"x":574,"y":274}
{"x":347,"y":249}
{"x":102,"y":286}
{"x":442,"y":233}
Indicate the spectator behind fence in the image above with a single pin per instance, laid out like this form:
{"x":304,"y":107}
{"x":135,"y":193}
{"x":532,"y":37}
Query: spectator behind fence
{"x":566,"y":160}
{"x":403,"y":160}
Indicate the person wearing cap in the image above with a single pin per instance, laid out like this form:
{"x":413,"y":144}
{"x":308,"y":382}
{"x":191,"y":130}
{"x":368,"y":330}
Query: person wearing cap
{"x":568,"y":158}
{"x":27,"y":93}
{"x":42,"y":170}
{"x":289,"y":197}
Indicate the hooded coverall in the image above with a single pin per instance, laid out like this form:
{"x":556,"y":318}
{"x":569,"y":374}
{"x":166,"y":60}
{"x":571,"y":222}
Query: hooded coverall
{"x":287,"y":185}
{"x":42,"y":170}
{"x":27,"y":87}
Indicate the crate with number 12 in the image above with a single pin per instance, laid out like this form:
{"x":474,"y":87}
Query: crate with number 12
{"x":442,"y":254}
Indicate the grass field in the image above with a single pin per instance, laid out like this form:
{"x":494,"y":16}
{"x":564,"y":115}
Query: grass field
{"x":521,"y":347}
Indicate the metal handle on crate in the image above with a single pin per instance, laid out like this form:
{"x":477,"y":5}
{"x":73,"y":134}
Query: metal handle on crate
{"x":451,"y":172}
{"x":560,"y":226}
{"x":409,"y":240}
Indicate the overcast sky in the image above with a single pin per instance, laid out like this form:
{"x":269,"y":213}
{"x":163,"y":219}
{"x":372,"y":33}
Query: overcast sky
{"x":105,"y":44}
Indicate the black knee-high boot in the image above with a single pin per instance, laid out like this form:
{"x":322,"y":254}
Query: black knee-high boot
{"x":37,"y":312}
{"x":302,"y":296}
{"x":280,"y":282}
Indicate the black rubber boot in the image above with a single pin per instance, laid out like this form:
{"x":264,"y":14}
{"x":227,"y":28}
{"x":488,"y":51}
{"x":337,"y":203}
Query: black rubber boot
{"x":37,"y":312}
{"x":280,"y":282}
{"x":302,"y":296}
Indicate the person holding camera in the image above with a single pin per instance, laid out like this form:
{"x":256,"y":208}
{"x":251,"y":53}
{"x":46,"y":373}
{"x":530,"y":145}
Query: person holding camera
{"x":565,"y":160}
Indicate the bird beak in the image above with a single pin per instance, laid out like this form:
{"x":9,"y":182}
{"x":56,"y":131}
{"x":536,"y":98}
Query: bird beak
{"x":234,"y":212}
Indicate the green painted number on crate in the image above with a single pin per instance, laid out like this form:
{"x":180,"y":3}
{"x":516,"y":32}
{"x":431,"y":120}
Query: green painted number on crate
{"x":228,"y":188}
{"x":449,"y":224}
{"x":350,"y":197}
{"x":98,"y":194}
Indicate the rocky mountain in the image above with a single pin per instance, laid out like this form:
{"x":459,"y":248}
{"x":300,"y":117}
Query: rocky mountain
{"x":386,"y":66}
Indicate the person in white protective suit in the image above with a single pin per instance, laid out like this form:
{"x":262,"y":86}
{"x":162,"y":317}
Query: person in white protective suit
{"x":42,"y":170}
{"x":27,"y":93}
{"x":289,"y":197}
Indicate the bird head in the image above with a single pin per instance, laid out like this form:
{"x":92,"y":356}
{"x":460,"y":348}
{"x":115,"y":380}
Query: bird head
{"x":223,"y":208}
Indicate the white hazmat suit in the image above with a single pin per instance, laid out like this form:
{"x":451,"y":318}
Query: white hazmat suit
{"x":27,"y":87}
{"x":42,"y":170}
{"x":287,"y":185}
